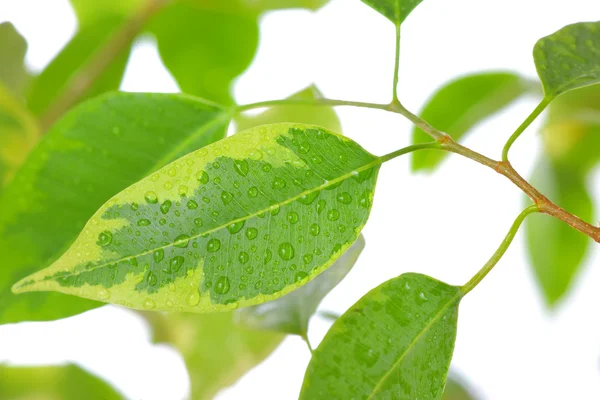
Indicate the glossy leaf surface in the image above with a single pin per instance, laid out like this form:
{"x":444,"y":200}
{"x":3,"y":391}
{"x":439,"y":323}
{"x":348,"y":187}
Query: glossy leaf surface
{"x":12,"y":53}
{"x":395,"y":342}
{"x":557,"y":250}
{"x":238,"y":222}
{"x":95,"y":151}
{"x":394,"y":10}
{"x":291,"y":313}
{"x":67,"y":382}
{"x":460,"y":105}
{"x":216,"y":350}
{"x":569,"y":58}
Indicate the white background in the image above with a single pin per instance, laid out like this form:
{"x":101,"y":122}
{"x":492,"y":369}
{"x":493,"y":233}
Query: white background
{"x":509,"y":345}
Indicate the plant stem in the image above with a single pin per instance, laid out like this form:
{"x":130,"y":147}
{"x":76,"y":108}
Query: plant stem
{"x":474,"y":281}
{"x":310,"y":102}
{"x":396,"y":66}
{"x":534,"y":114}
{"x":410,"y":149}
{"x":307,"y":341}
{"x":101,"y":60}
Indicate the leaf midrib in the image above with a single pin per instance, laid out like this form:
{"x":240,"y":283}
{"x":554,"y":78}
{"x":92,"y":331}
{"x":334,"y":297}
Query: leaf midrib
{"x":426,"y":328}
{"x":377,"y":161}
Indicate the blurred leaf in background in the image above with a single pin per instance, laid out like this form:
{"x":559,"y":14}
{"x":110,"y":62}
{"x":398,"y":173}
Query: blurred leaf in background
{"x":12,"y":53}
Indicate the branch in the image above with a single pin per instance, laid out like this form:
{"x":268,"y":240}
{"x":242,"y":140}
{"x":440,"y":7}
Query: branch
{"x":101,"y":60}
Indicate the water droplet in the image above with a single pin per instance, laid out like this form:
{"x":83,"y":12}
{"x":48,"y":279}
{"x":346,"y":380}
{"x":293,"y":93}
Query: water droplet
{"x":226,"y":197}
{"x":103,"y":294}
{"x":176,"y":263}
{"x":206,"y":200}
{"x":162,"y":221}
{"x":304,"y":147}
{"x":198,"y":222}
{"x":182,"y":241}
{"x":149,"y":304}
{"x":241,"y":167}
{"x":278,"y":183}
{"x":308,"y":198}
{"x":222,"y":285}
{"x":104,"y":238}
{"x":256,"y":154}
{"x":268,"y":256}
{"x":292,"y":217}
{"x":251,"y":233}
{"x":243,"y":257}
{"x":253,"y":191}
{"x":134,"y":206}
{"x":275,"y":210}
{"x":267,"y":167}
{"x":202,"y":177}
{"x":236,"y":227}
{"x":158,"y":255}
{"x":365,"y":199}
{"x":151,"y":279}
{"x":307,"y":258}
{"x":344,"y":198}
{"x":286,"y":251}
{"x":143,"y":222}
{"x":317,"y":159}
{"x":333,"y":214}
{"x":321,"y":204}
{"x":193,"y":299}
{"x":192,"y":205}
{"x":213,"y":245}
{"x":216,"y":165}
{"x":343,"y":159}
{"x":298,"y":276}
{"x":165,"y":206}
{"x":314,"y":229}
{"x":151,"y":197}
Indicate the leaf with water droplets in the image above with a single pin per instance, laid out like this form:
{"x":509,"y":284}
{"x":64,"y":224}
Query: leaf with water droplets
{"x":64,"y":382}
{"x":13,"y":46}
{"x":395,"y":342}
{"x":206,"y":258}
{"x":569,"y":58}
{"x":291,"y":313}
{"x":394,"y":10}
{"x":216,"y":350}
{"x":460,"y":105}
{"x":98,"y":149}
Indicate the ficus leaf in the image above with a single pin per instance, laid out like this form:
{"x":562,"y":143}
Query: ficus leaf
{"x":291,"y":313}
{"x":98,"y":149}
{"x":236,"y":223}
{"x":569,"y":58}
{"x":13,"y":46}
{"x":461,"y":104}
{"x":64,"y":382}
{"x":216,"y":350}
{"x":557,"y":250}
{"x":394,"y":10}
{"x":395,"y":342}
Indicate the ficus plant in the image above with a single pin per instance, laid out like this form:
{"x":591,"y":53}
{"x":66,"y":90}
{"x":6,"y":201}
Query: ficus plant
{"x":141,"y":200}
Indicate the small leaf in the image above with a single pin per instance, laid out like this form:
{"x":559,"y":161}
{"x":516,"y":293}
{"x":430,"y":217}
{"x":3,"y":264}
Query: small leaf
{"x":557,"y":250}
{"x":305,"y":114}
{"x":225,"y":226}
{"x":569,"y":58}
{"x":18,"y":134}
{"x":456,"y":391}
{"x":394,"y":10}
{"x":395,"y":342}
{"x":68,"y":382}
{"x":217,"y":351}
{"x":292,"y":312}
{"x":196,"y":42}
{"x":460,"y":105}
{"x":98,"y":149}
{"x":12,"y":53}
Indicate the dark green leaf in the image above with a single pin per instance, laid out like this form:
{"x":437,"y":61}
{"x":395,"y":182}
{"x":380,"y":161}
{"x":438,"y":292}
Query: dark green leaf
{"x":569,"y":58}
{"x":52,"y":82}
{"x":394,"y":10}
{"x":395,"y":342}
{"x":95,"y":151}
{"x":67,"y":382}
{"x":460,"y":105}
{"x":556,"y":249}
{"x":217,"y":351}
{"x":12,"y":55}
{"x":292,"y":312}
{"x":205,"y":49}
{"x":228,"y":225}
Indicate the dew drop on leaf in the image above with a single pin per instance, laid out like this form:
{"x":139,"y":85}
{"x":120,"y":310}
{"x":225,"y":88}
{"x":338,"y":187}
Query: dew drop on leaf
{"x":202,"y":177}
{"x":292,"y":217}
{"x":213,"y":245}
{"x":286,"y":251}
{"x":226,"y":197}
{"x":314,"y":229}
{"x":151,"y":197}
{"x":333,"y":214}
{"x":143,"y":222}
{"x":182,"y":241}
{"x":251,"y":233}
{"x":241,"y":167}
{"x":222,"y":285}
{"x":192,"y":205}
{"x":298,"y":276}
{"x":165,"y":206}
{"x":243,"y":257}
{"x":193,"y":299}
{"x":235,"y":227}
{"x":253,"y":191}
{"x":104,"y":238}
{"x":176,"y":263}
{"x":158,"y":255}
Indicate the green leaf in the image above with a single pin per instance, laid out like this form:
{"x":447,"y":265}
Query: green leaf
{"x":18,"y":134}
{"x":569,"y":58}
{"x":95,"y":151}
{"x":395,"y":342}
{"x":305,"y":114}
{"x":12,"y":53}
{"x":292,"y":312}
{"x":228,"y":225}
{"x":557,"y":250}
{"x":68,"y":382}
{"x":205,"y":49}
{"x":217,"y":351}
{"x":394,"y":10}
{"x":456,"y":391}
{"x":58,"y":75}
{"x":460,"y":105}
{"x":89,"y":12}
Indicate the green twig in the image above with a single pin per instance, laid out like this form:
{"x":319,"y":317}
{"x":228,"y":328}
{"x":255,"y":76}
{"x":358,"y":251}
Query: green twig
{"x":534,"y":114}
{"x":396,"y":66}
{"x":410,"y":149}
{"x":467,"y":287}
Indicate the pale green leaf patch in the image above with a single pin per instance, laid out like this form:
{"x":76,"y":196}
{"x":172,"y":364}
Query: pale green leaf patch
{"x":394,"y":10}
{"x":13,"y":46}
{"x":569,"y":58}
{"x":236,"y":223}
{"x":395,"y":342}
